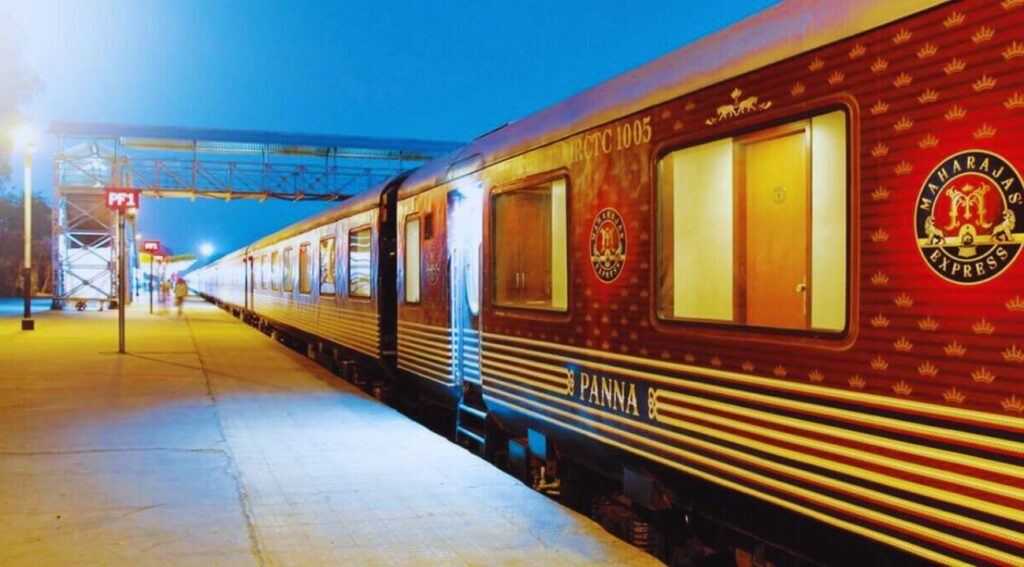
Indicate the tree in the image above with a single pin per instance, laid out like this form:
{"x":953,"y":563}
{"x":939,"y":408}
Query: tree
{"x":12,"y":234}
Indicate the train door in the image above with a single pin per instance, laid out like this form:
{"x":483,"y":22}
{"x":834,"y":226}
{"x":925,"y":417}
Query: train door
{"x":777,"y":194}
{"x":465,"y":233}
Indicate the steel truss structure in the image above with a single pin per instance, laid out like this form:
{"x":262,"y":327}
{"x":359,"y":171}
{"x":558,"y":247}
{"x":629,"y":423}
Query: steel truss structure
{"x":193,"y":162}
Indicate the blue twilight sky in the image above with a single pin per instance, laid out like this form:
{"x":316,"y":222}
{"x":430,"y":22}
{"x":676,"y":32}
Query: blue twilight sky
{"x":436,"y":70}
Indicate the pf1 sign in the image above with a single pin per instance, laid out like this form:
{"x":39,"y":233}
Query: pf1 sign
{"x":150,"y":246}
{"x":122,"y":199}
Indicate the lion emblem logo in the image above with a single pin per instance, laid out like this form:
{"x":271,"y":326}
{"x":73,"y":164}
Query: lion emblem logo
{"x":608,"y":245}
{"x":966,"y":217}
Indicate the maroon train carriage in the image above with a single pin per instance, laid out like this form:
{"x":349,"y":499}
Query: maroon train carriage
{"x":770,"y":278}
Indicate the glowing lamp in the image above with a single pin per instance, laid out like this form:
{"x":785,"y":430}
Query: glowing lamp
{"x":25,"y":138}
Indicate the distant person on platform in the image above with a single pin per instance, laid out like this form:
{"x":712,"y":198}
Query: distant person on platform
{"x":180,"y":292}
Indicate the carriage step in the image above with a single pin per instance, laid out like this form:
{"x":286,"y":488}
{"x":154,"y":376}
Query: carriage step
{"x":478,"y":413}
{"x":464,"y":432}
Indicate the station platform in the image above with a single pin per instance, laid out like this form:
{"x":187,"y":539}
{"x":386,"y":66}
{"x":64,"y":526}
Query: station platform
{"x":210,"y":444}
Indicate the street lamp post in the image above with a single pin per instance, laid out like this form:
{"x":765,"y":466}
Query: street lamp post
{"x":27,"y":324}
{"x":24,"y":138}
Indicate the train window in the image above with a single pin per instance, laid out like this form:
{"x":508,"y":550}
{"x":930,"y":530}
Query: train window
{"x":305,"y":269}
{"x":327,"y":266}
{"x":287,"y":283}
{"x":359,"y":277}
{"x":412,"y":259}
{"x":274,"y":259}
{"x":752,"y":230}
{"x":530,"y":267}
{"x":263,"y":271}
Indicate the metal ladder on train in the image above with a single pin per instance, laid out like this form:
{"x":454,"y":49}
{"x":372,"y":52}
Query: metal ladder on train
{"x":471,"y":419}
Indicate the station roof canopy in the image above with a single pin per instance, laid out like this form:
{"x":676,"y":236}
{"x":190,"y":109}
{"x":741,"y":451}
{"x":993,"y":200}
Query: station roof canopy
{"x":215,"y":140}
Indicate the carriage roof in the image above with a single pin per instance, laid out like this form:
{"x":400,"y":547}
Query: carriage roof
{"x":780,"y":32}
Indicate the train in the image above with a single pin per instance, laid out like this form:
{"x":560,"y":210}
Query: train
{"x":762,"y":293}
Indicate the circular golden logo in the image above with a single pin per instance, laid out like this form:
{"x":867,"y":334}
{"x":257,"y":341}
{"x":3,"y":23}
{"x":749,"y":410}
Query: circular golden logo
{"x":967,"y":217}
{"x":608,"y":245}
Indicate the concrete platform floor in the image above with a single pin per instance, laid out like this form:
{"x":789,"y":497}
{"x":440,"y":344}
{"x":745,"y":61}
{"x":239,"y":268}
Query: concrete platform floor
{"x":209,"y":444}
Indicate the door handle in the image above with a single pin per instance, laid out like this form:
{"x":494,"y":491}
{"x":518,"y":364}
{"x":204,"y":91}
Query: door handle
{"x":801,"y":288}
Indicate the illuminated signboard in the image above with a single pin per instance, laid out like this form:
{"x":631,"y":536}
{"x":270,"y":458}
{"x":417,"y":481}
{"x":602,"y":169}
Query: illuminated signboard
{"x":151,"y":246}
{"x":122,"y":199}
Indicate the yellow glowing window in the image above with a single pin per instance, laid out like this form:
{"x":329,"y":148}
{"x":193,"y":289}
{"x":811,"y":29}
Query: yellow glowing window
{"x":327,"y":266}
{"x":412,"y":260}
{"x":287,"y":283}
{"x":263,"y":272}
{"x":305,"y":269}
{"x":529,"y":246}
{"x":753,"y":230}
{"x":274,"y":260}
{"x":359,"y":276}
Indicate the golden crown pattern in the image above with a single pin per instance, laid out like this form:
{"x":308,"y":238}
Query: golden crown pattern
{"x":983,"y":327}
{"x":1013,"y":404}
{"x":984,"y":83}
{"x":928,"y":324}
{"x":902,"y":388}
{"x":880,"y":321}
{"x":953,"y":20}
{"x":1016,"y":303}
{"x":983,"y":34}
{"x":955,"y":65}
{"x":954,"y":396}
{"x":984,"y":131}
{"x":1013,"y":51}
{"x":955,"y":112}
{"x":903,"y":124}
{"x":983,"y":376}
{"x":1013,"y":354}
{"x":927,"y":50}
{"x":929,"y":141}
{"x":928,"y":369}
{"x":928,"y":96}
{"x":879,"y":363}
{"x":903,"y":345}
{"x":902,"y":80}
{"x":955,"y":349}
